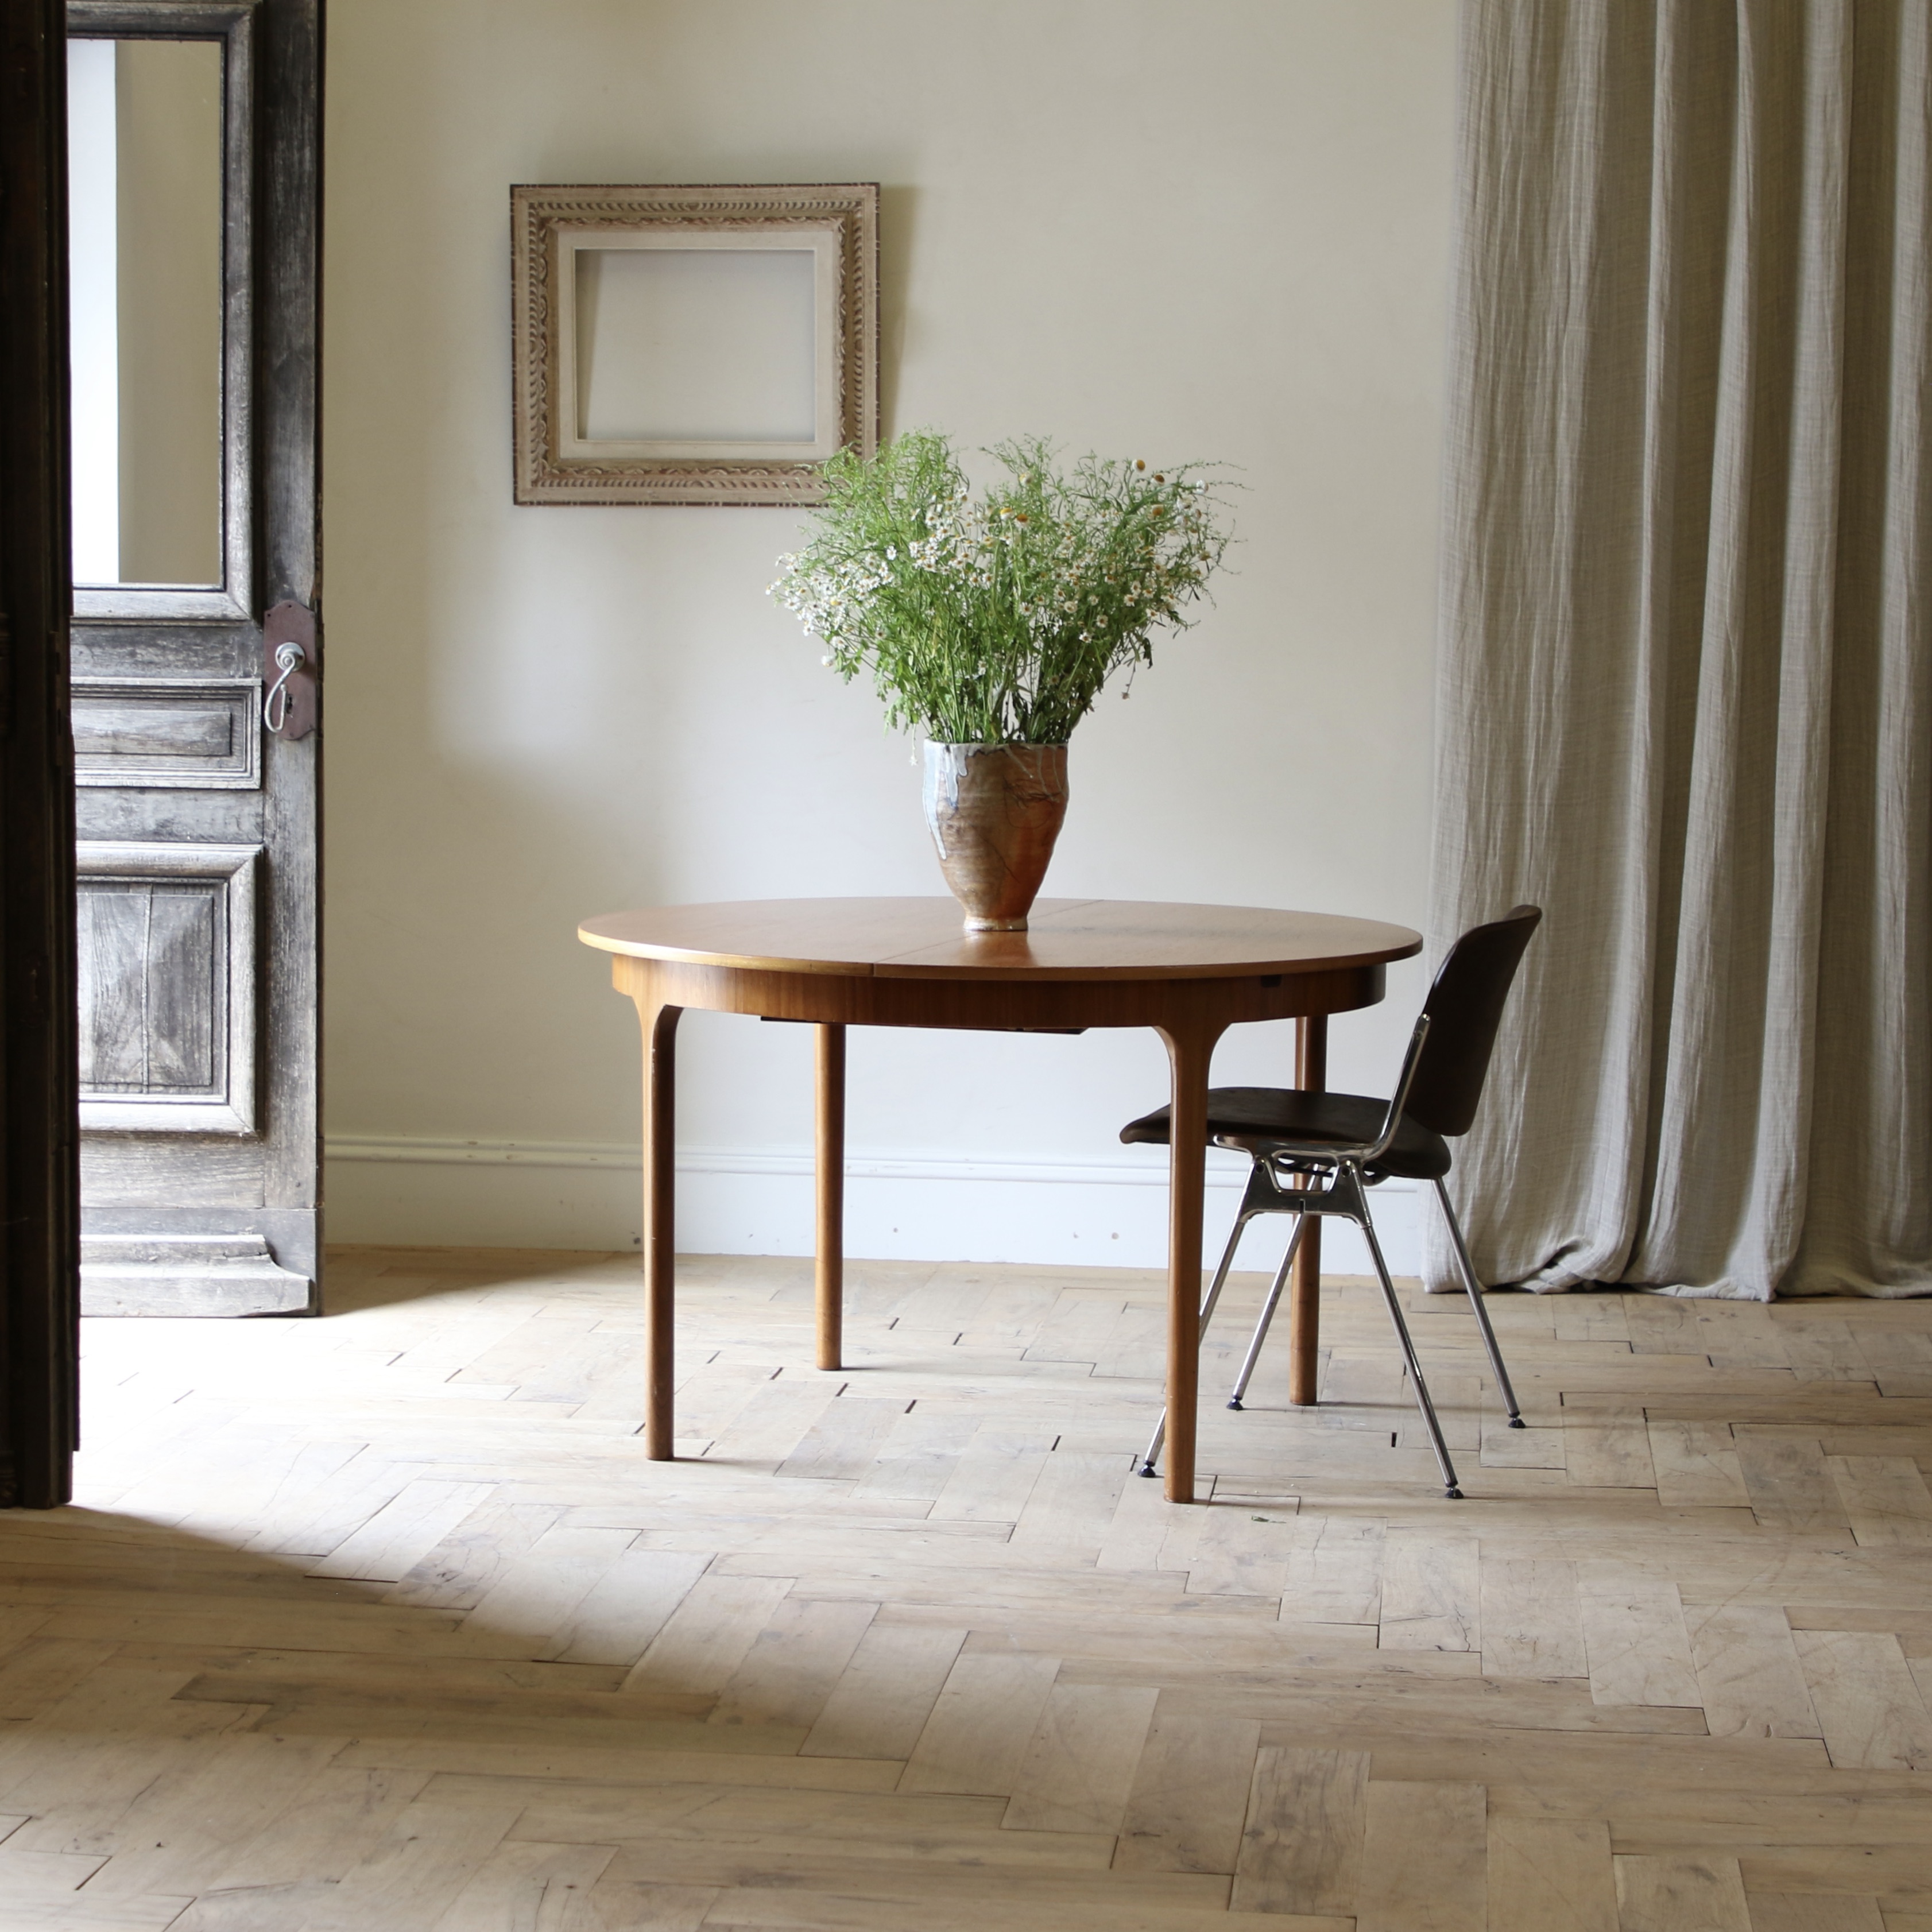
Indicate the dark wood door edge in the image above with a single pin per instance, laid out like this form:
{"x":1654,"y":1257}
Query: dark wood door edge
{"x":39,"y":1242}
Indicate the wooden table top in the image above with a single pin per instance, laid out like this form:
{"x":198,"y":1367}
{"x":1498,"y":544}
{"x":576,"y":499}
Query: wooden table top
{"x":1069,"y":939}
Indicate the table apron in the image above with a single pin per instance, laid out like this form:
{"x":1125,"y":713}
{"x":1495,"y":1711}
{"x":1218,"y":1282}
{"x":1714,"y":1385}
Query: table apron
{"x":994,"y":1006}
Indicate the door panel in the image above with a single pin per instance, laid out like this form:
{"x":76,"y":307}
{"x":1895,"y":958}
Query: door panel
{"x":196,"y":733}
{"x":167,"y":975}
{"x":166,"y":279}
{"x":198,"y":852}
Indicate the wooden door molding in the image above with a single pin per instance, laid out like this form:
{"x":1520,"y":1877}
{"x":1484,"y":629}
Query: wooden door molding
{"x":163,"y":734}
{"x":39,"y":1188}
{"x":233,"y":23}
{"x":166,"y":972}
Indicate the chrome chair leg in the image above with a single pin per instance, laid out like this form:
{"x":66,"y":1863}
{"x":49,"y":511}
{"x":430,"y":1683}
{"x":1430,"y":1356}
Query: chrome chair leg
{"x":1428,"y":1407}
{"x":1213,"y":1295}
{"x":1474,"y":1289}
{"x":1268,"y":1314}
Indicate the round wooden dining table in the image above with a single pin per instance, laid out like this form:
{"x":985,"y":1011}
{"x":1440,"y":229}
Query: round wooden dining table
{"x":1188,"y":971}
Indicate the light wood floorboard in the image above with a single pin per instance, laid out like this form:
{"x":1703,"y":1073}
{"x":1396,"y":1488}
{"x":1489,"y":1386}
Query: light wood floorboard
{"x":383,"y":1622}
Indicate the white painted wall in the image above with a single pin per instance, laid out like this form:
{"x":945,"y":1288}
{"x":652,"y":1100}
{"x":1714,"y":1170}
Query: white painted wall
{"x":1213,"y":231}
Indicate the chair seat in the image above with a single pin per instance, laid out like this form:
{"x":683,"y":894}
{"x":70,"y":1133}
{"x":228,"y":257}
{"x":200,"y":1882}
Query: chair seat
{"x":1285,"y":1120}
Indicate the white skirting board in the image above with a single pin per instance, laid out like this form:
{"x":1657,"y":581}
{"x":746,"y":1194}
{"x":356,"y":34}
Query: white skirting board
{"x":759,"y":1201}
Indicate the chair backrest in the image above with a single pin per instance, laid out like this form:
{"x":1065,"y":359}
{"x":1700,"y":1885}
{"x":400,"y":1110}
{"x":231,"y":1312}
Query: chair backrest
{"x":1465,"y":1008}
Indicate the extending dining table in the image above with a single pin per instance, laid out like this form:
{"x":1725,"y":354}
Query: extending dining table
{"x":1188,"y":971}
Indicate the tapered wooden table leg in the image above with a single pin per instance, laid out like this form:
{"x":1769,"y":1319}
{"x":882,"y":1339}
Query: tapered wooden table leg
{"x":1189,"y":1049}
{"x":1304,"y":1301}
{"x":660,"y":1023}
{"x":829,"y":1279}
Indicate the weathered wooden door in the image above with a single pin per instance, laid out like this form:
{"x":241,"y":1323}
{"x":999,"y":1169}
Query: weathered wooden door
{"x":193,"y":151}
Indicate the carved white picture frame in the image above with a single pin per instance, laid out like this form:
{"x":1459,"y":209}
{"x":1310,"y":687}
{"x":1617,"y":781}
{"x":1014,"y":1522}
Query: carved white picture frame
{"x":560,"y":457}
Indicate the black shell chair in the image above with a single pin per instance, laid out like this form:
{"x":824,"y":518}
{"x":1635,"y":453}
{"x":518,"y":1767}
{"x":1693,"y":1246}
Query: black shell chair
{"x":1330,"y":1148}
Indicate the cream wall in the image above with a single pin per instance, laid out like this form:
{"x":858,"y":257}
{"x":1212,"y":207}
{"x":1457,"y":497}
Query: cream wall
{"x":1215,"y":230}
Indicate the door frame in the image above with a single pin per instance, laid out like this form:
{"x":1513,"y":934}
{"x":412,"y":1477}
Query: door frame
{"x":40,"y":1191}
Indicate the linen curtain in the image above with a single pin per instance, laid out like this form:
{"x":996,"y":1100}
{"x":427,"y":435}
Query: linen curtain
{"x":1683,"y":668}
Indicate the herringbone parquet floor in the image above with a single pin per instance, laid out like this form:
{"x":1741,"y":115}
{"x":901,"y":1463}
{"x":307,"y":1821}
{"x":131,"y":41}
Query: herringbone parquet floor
{"x":383,"y":1623}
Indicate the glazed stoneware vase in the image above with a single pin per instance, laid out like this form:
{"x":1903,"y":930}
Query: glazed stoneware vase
{"x":995,"y":811}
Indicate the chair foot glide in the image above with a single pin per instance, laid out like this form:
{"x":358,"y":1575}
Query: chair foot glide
{"x":1235,"y":1402}
{"x":1452,"y":1495}
{"x":1517,"y":1422}
{"x":1148,"y":1469}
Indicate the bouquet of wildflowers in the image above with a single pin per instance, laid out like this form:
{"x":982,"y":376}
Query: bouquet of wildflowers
{"x":999,"y":619}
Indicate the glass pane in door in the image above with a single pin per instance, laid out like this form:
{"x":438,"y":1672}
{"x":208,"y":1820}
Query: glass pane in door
{"x":145,"y":200}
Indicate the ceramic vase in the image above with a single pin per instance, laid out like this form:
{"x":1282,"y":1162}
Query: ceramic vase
{"x":995,"y":811}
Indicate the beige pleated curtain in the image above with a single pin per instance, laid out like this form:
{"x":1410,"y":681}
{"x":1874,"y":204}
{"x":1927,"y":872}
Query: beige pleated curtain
{"x":1684,"y":698}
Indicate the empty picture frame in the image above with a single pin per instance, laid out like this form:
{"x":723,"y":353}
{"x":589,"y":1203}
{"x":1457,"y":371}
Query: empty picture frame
{"x":692,"y":344}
